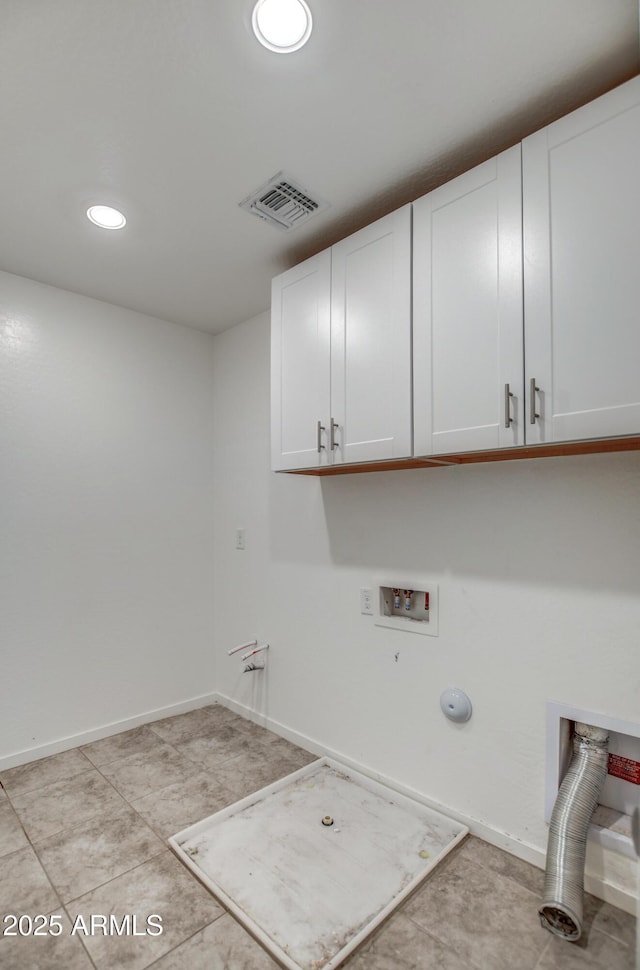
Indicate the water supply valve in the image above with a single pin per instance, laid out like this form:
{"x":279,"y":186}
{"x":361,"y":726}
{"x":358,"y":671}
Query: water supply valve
{"x":256,"y":648}
{"x":411,"y":605}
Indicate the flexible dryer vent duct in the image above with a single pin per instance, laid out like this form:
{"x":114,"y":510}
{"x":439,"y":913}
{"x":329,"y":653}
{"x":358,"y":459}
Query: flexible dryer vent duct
{"x":561,"y":910}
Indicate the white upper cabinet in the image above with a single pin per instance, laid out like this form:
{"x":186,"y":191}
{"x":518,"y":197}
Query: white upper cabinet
{"x":581,"y":192}
{"x":341,"y":351}
{"x":523,"y":279}
{"x":467,"y":311}
{"x":300,"y":361}
{"x":371,"y":341}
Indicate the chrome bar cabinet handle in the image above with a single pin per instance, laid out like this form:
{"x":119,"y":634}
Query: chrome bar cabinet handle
{"x":333,"y":444}
{"x":507,"y":406}
{"x":320,"y":430}
{"x":532,"y":394}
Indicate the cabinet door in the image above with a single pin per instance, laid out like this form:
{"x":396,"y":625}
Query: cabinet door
{"x":300,"y":361}
{"x":582,"y":271}
{"x":467,"y":311}
{"x":371,"y":341}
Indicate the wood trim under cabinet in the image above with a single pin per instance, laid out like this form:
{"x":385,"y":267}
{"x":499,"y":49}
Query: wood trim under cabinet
{"x":507,"y":454}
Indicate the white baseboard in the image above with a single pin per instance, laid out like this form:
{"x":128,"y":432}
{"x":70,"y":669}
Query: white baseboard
{"x":535,"y":855}
{"x":106,"y":731}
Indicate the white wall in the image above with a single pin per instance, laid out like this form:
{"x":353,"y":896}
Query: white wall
{"x":106,"y":472}
{"x":538,"y":564}
{"x":118,"y":540}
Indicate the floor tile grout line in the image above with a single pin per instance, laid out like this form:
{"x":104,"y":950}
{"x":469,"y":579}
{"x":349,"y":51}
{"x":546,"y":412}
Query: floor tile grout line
{"x":150,"y":726}
{"x":598,"y":931}
{"x":224,"y":723}
{"x":61,"y":908}
{"x":143,"y":819}
{"x":109,"y":738}
{"x":157,"y":831}
{"x":78,"y":748}
{"x":443,"y":943}
{"x":120,"y":793}
{"x":545,"y":949}
{"x":223,"y":912}
{"x":159,"y":852}
{"x":90,"y":818}
{"x":612,"y":936}
{"x":32,"y":791}
{"x":44,"y":869}
{"x":37,"y":760}
{"x":24,"y":831}
{"x":35,"y":842}
{"x":515,"y":882}
{"x":163,"y":956}
{"x":503,"y":875}
{"x":438,"y":873}
{"x":137,"y":754}
{"x":463,"y":956}
{"x":47,"y":877}
{"x":82,"y":939}
{"x":189,"y":762}
{"x":166,"y":849}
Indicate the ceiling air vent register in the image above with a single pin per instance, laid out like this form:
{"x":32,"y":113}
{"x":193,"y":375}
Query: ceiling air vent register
{"x":283,"y":202}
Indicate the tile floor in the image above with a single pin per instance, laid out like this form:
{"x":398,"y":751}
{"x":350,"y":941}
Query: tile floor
{"x":84,"y":833}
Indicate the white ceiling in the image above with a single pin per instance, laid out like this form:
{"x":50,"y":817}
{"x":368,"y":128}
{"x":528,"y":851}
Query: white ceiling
{"x":171,"y":111}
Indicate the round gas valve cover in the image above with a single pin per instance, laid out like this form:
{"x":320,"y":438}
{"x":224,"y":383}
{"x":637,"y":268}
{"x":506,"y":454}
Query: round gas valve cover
{"x":455,"y":704}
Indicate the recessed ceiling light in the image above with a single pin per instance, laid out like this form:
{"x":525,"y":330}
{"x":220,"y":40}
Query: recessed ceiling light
{"x":106,"y":217}
{"x":282,"y":25}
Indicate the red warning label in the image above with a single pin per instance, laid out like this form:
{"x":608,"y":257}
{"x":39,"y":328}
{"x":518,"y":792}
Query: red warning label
{"x":624,"y":768}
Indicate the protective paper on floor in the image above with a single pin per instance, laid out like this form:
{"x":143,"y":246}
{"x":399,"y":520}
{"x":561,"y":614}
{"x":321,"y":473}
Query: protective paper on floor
{"x":311,"y":892}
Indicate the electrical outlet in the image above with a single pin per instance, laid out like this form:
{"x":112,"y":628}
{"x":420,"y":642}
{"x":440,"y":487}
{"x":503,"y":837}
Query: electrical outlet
{"x":240,"y":539}
{"x":366,"y":601}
